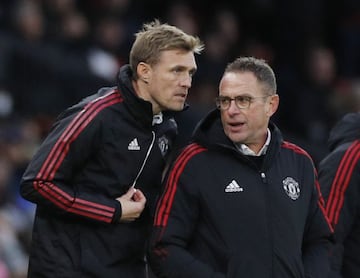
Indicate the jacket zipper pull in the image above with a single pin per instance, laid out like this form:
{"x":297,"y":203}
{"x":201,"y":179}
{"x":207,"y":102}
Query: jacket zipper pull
{"x":263,"y":177}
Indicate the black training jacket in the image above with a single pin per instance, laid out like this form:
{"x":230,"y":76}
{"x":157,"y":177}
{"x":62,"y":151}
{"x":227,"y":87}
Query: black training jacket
{"x":220,"y":215}
{"x":339,"y":177}
{"x":95,"y":151}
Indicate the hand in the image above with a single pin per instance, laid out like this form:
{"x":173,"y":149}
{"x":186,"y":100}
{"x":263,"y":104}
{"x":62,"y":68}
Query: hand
{"x":132,"y":204}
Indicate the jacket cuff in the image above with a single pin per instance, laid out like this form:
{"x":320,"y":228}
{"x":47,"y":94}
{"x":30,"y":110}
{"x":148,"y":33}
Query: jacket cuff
{"x":117,"y":213}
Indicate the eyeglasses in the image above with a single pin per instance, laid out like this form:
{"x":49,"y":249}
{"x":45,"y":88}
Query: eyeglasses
{"x":242,"y":102}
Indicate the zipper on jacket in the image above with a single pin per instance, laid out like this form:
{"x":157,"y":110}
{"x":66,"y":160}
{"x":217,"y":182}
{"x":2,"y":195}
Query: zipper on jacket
{"x":263,"y":177}
{"x":145,"y":159}
{"x":269,"y":223}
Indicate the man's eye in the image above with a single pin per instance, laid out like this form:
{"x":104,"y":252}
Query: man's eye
{"x":225,"y":100}
{"x":192,"y":72}
{"x":242,"y":99}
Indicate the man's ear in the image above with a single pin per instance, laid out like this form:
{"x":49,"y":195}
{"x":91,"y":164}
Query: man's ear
{"x":143,"y":71}
{"x":273,"y":104}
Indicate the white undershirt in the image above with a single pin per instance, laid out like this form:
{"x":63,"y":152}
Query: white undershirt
{"x":247,"y":151}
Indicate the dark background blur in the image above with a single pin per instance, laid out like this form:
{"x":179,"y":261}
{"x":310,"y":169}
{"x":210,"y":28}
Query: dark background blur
{"x":55,"y":52}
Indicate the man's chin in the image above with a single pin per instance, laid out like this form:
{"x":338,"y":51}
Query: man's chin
{"x":176,"y":108}
{"x":235,"y":137}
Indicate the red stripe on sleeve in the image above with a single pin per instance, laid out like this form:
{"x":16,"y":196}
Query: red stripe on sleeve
{"x":167,"y":197}
{"x":341,"y":181}
{"x":67,"y":205}
{"x":48,"y":170}
{"x":295,"y":148}
{"x":67,"y":137}
{"x":321,"y":202}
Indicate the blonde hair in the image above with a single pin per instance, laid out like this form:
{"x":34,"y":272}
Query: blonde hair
{"x":155,"y":37}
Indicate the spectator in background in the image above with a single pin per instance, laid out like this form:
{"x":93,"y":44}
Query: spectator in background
{"x":96,"y":175}
{"x":320,"y":78}
{"x":182,"y":15}
{"x":339,"y":177}
{"x":28,"y":21}
{"x":13,"y":255}
{"x":46,"y":73}
{"x":347,"y":37}
{"x":312,"y":107}
{"x":106,"y":54}
{"x":239,"y":201}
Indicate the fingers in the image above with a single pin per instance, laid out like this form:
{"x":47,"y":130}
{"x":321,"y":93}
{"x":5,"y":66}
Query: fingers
{"x":132,"y":204}
{"x":130,"y":193}
{"x":139,"y":196}
{"x":135,"y":195}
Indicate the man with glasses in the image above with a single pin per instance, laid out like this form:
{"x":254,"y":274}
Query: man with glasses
{"x":239,"y":201}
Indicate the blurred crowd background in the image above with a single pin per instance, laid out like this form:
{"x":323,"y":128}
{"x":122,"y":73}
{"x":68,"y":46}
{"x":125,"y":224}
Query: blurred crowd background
{"x":55,"y":52}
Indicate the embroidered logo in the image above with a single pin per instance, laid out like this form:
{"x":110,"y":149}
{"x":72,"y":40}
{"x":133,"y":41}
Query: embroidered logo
{"x":163,"y":143}
{"x":233,"y":187}
{"x":291,"y":188}
{"x":134,"y":145}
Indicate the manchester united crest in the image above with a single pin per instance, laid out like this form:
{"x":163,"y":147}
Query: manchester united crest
{"x":163,"y":143}
{"x":291,"y":188}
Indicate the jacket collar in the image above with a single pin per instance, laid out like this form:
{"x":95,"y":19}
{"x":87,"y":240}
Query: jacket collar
{"x":139,"y":108}
{"x":210,"y":133}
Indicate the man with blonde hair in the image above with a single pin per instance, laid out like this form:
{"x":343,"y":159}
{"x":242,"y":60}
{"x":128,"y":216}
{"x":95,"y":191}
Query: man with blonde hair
{"x":95,"y":177}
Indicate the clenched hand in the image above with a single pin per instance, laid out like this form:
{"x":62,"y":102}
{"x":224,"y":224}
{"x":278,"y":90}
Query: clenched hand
{"x":132,"y":204}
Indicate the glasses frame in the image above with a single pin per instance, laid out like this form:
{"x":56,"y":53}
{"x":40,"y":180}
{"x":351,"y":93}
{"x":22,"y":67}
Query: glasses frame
{"x":248,"y":100}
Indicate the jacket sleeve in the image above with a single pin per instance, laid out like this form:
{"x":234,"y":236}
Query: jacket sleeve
{"x":174,"y":225}
{"x":318,"y":236}
{"x":339,"y":177}
{"x":48,"y":180}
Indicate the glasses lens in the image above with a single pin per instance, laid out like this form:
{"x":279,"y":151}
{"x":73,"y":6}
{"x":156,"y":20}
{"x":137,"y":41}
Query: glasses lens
{"x":242,"y":101}
{"x":225,"y":102}
{"x":222,"y":102}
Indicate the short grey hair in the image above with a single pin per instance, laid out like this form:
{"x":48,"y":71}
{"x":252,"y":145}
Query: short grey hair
{"x":259,"y":67}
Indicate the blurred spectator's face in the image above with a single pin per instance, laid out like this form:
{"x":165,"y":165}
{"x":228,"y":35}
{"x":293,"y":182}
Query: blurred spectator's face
{"x":322,"y":66}
{"x":29,"y":21}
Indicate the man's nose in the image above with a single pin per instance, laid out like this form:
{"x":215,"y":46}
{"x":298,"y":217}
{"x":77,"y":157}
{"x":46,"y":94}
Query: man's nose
{"x":186,"y":81}
{"x":233,"y":108}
